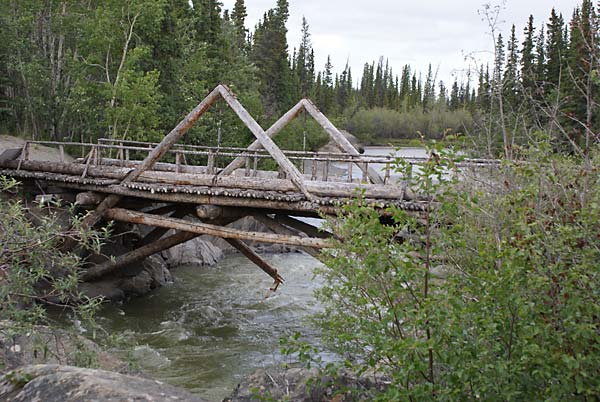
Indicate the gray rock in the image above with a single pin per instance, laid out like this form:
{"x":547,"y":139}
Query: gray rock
{"x":307,"y":385}
{"x":198,"y":251}
{"x":53,"y":346}
{"x":55,"y":383}
{"x":150,"y":274}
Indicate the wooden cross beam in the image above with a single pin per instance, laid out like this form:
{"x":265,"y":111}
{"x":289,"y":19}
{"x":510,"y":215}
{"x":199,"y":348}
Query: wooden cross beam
{"x":221,"y":91}
{"x":141,"y":218}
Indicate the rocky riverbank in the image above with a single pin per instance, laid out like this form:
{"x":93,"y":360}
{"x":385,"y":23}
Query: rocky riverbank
{"x":45,"y":365}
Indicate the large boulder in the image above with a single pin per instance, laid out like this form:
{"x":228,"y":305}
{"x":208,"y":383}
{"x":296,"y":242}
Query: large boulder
{"x":55,"y":383}
{"x":198,"y":251}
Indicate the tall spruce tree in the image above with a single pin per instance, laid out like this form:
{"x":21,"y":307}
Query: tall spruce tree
{"x":238,"y":18}
{"x":581,"y":87}
{"x":305,"y":63}
{"x":511,"y":73}
{"x":270,"y":55}
{"x":528,"y":57}
{"x":556,"y":49}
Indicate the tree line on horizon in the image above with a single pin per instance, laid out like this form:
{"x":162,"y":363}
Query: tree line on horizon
{"x":132,"y":69}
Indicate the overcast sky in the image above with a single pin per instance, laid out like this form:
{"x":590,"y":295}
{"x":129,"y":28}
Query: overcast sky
{"x":416,"y":32}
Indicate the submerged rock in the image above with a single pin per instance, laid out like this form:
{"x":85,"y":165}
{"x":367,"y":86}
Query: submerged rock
{"x":55,"y":383}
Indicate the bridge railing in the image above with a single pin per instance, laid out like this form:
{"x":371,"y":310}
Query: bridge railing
{"x":315,"y":166}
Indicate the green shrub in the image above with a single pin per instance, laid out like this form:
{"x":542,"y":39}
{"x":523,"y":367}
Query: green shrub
{"x":493,"y":293}
{"x":34,"y":273}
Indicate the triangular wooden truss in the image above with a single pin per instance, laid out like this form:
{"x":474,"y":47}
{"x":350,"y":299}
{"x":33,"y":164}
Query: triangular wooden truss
{"x":263,"y":138}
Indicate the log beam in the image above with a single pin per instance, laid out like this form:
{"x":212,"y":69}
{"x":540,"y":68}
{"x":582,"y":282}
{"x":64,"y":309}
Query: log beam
{"x":141,"y":218}
{"x":341,"y":141}
{"x":280,"y":229}
{"x":157,"y":233}
{"x":266,"y":142}
{"x":256,"y":259}
{"x":271,"y":132}
{"x":167,"y":142}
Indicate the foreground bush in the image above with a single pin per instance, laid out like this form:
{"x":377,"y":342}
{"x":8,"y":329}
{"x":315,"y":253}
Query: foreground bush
{"x":34,"y":272}
{"x":492,"y":294}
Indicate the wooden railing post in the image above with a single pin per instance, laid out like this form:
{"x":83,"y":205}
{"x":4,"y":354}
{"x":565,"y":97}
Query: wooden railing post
{"x":210,"y":165}
{"x":326,"y":171}
{"x":386,"y":179}
{"x":247,"y":170}
{"x":350,"y":171}
{"x":178,"y":162}
{"x":255,"y":167}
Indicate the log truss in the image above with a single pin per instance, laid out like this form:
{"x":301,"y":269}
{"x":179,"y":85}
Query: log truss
{"x":216,"y":196}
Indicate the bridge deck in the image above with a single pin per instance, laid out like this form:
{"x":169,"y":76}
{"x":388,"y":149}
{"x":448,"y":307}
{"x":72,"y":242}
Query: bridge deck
{"x":216,"y":185}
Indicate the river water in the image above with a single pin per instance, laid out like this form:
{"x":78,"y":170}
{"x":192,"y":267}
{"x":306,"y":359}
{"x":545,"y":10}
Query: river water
{"x":214,"y":325}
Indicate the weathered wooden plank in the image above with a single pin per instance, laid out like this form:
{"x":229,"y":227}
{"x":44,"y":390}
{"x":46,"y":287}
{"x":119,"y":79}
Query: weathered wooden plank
{"x":138,"y":254}
{"x":213,"y":230}
{"x":265,"y":141}
{"x":256,"y":259}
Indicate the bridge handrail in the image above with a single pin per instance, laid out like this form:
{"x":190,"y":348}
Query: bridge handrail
{"x":259,"y":154}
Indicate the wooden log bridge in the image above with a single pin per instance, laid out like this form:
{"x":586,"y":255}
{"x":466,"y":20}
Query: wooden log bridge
{"x":127,"y":181}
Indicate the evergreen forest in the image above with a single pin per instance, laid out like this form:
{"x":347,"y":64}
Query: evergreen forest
{"x":80,"y":70}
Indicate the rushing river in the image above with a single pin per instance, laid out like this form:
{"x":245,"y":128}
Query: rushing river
{"x":214,"y":325}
